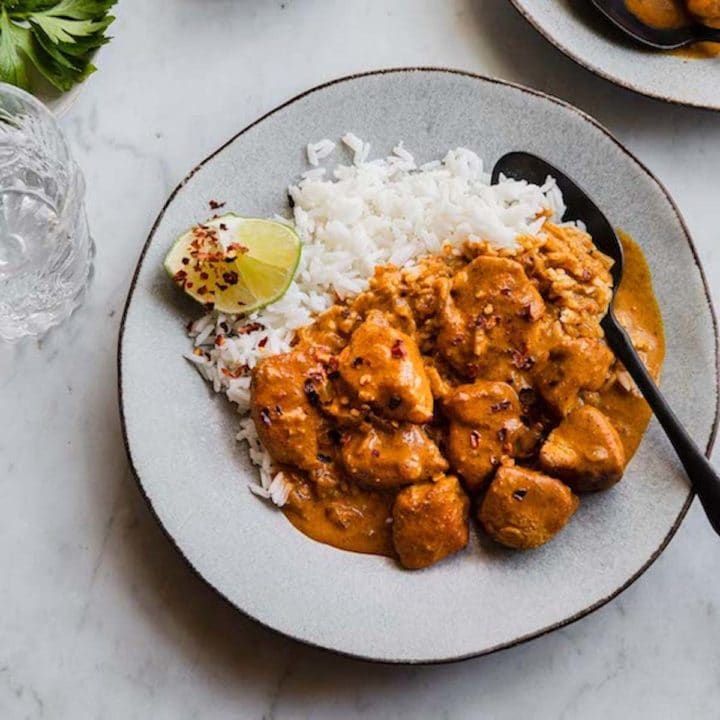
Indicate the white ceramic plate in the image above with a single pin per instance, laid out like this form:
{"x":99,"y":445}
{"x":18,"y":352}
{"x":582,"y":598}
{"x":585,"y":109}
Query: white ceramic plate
{"x":180,"y":437}
{"x":576,"y":28}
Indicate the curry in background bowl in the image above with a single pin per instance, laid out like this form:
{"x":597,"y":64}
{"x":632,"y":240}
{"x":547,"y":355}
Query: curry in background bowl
{"x":673,"y":14}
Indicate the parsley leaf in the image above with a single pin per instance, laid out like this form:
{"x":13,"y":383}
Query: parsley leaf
{"x":57,"y":37}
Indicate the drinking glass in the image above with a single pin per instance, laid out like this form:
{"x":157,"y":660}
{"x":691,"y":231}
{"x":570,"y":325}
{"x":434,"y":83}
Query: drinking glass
{"x":45,"y":247}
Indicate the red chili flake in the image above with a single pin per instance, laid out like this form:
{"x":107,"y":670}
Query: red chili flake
{"x":237,"y":248}
{"x":394,"y":402}
{"x":234,"y":374}
{"x":230,"y":277}
{"x":185,"y":261}
{"x":204,"y":275}
{"x":397,"y":350}
{"x":486,"y":322}
{"x":375,"y":452}
{"x":188,"y":285}
{"x":250,"y":327}
{"x":180,"y":276}
{"x":502,"y":405}
{"x":522,"y":361}
{"x":357,"y":362}
{"x":223,"y":226}
{"x":210,"y":305}
{"x":474,"y":438}
{"x":265,"y":416}
{"x":220,"y":340}
{"x":215,"y":205}
{"x":222,"y":288}
{"x":519,"y":494}
{"x":202,"y":290}
{"x":263,"y":342}
{"x":332,"y":365}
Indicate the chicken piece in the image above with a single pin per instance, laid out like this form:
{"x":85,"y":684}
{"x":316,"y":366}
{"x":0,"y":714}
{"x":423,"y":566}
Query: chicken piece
{"x":287,"y":423}
{"x":572,"y":366}
{"x":329,"y":330}
{"x":484,"y":426}
{"x":383,"y":367}
{"x":430,"y":522}
{"x":524,"y":509}
{"x":489,"y":323}
{"x":705,"y":11}
{"x":391,"y":457}
{"x":585,"y":451}
{"x":387,"y":294}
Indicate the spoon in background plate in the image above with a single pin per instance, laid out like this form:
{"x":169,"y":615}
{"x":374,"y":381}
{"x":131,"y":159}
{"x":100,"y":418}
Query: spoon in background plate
{"x":660,"y":39}
{"x":704,"y":479}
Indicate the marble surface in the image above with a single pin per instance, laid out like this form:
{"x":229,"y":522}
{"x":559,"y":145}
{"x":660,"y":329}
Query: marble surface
{"x":101,"y":618}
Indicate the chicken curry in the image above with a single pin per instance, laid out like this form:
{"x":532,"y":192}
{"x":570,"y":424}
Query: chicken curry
{"x":673,"y":14}
{"x":477,"y":380}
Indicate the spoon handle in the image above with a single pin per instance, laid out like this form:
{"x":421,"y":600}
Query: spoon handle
{"x":701,"y":473}
{"x":705,"y":33}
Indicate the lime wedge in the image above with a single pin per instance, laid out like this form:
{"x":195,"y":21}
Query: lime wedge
{"x":235,"y":264}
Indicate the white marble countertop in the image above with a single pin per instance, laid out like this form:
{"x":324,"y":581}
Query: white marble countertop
{"x":101,"y":617}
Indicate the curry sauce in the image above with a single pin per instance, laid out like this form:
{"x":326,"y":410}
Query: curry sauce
{"x":637,"y":310}
{"x":479,"y":378}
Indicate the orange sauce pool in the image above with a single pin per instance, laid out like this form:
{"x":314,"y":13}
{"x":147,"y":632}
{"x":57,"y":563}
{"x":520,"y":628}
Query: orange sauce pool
{"x":638,"y":312}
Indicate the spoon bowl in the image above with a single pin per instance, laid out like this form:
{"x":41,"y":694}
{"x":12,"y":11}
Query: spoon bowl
{"x":657,"y":38}
{"x":579,"y":207}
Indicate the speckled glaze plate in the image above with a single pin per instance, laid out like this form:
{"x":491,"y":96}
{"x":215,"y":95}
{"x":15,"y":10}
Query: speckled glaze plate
{"x":180,"y":436}
{"x":576,"y":28}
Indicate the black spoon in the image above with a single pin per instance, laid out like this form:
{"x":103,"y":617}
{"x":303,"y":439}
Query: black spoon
{"x":524,"y":166}
{"x":671,"y":39}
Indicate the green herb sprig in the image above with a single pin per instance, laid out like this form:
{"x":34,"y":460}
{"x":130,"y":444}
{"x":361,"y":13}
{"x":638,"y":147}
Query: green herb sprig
{"x":57,"y":37}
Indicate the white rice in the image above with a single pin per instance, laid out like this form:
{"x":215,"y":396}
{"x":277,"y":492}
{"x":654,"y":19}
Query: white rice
{"x":319,"y":151}
{"x":370,"y":213}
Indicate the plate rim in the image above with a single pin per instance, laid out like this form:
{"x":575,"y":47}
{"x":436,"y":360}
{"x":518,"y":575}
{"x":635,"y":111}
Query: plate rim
{"x":604,"y":74}
{"x":484,"y":78}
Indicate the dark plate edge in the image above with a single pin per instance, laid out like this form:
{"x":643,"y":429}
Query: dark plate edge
{"x":530,"y":636}
{"x":604,"y":74}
